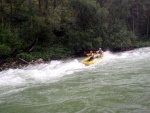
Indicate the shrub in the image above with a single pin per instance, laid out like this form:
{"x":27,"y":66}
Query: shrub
{"x":9,"y":41}
{"x":120,"y":37}
{"x":4,"y":50}
{"x":25,"y":56}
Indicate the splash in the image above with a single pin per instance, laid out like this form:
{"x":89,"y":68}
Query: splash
{"x":55,"y":70}
{"x":39,"y":73}
{"x":136,"y":53}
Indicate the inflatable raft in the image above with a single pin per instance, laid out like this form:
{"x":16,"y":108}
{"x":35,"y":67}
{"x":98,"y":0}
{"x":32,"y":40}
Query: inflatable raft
{"x":88,"y":62}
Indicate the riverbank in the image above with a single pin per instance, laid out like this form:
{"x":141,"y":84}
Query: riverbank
{"x":26,"y":58}
{"x":21,"y":62}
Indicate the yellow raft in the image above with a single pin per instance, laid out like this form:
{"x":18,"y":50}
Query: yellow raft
{"x":96,"y":58}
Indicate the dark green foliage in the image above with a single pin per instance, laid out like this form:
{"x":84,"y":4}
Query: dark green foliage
{"x":61,"y":28}
{"x":78,"y":41}
{"x":9,"y":41}
{"x":85,"y":14}
{"x":25,"y":56}
{"x":85,"y":31}
{"x":55,"y":52}
{"x":142,"y":43}
{"x":4,"y":50}
{"x":120,"y":37}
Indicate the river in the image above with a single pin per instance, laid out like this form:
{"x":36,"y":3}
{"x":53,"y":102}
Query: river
{"x":120,"y":83}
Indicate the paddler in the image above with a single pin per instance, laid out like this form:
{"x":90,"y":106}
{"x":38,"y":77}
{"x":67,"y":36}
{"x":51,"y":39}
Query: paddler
{"x":100,"y":52}
{"x":91,"y":55}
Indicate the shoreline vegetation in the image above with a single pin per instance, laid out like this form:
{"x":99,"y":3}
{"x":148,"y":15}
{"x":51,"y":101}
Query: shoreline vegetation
{"x":20,"y":63}
{"x":42,"y":30}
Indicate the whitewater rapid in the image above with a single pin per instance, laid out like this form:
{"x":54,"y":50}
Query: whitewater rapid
{"x":119,"y":83}
{"x":55,"y":70}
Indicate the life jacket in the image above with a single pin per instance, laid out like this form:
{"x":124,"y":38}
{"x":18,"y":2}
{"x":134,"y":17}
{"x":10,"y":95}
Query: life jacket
{"x":91,"y":54}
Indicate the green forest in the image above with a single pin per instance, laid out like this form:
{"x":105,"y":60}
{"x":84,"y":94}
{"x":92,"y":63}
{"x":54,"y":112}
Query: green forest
{"x":54,"y":29}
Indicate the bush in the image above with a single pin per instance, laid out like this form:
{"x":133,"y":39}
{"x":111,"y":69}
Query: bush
{"x":25,"y":56}
{"x":142,"y":44}
{"x":9,"y":41}
{"x":120,"y":37}
{"x":54,"y":52}
{"x":4,"y":50}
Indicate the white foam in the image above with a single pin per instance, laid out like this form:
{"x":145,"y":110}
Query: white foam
{"x":54,"y":70}
{"x":136,"y":53}
{"x":39,"y":73}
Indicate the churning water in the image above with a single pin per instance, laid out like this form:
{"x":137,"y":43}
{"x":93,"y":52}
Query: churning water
{"x":120,"y":83}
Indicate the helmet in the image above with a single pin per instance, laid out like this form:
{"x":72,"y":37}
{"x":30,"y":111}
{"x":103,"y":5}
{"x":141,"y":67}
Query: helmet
{"x":100,"y":48}
{"x":91,"y":51}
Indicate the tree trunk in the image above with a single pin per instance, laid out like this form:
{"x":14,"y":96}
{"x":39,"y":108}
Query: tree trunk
{"x":11,"y":11}
{"x":1,"y":9}
{"x":46,"y":10}
{"x":39,"y":5}
{"x":133,"y":24}
{"x":54,"y":6}
{"x":1,"y":5}
{"x":46,"y":4}
{"x":137,"y":11}
{"x":31,"y":47}
{"x":147,"y":33}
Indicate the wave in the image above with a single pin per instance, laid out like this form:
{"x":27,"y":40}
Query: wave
{"x":39,"y":73}
{"x":52,"y":71}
